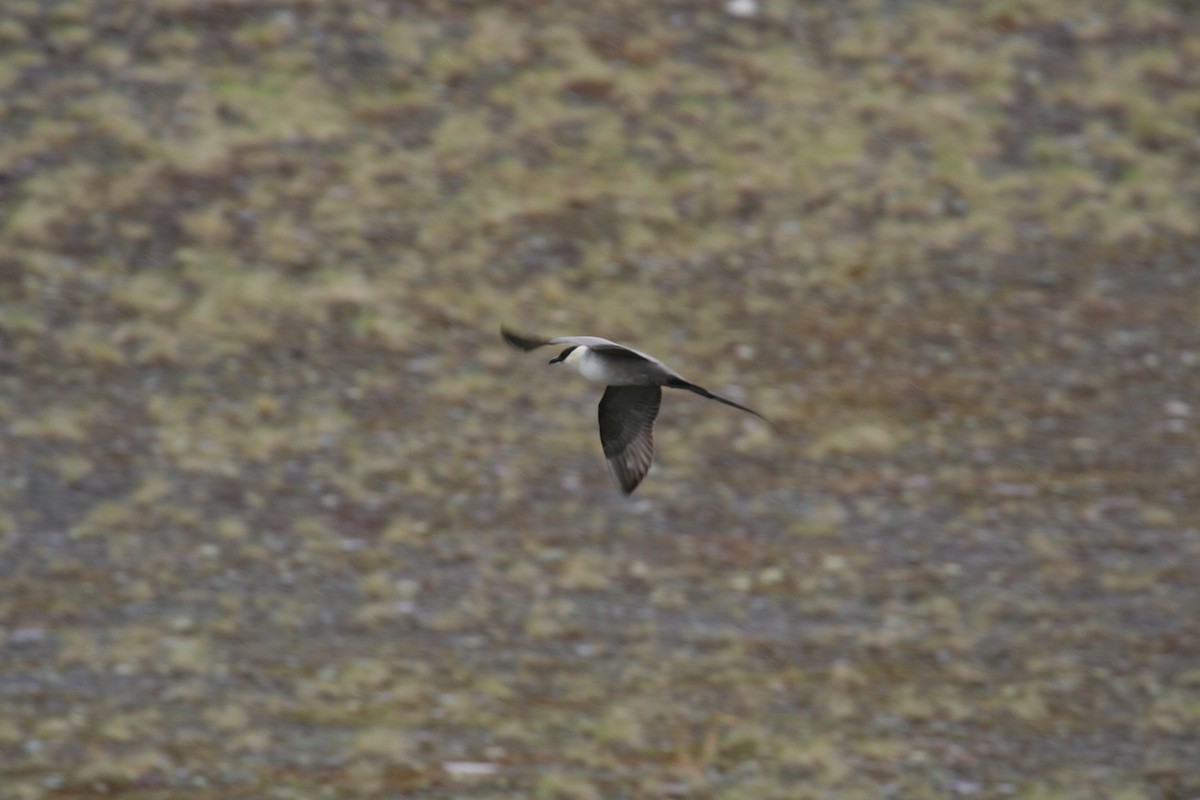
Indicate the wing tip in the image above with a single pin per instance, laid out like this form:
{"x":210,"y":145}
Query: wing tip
{"x":630,"y":467}
{"x":627,"y":483}
{"x":520,"y":341}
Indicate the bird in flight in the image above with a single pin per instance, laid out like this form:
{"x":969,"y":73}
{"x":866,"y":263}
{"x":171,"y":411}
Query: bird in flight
{"x":631,"y":400}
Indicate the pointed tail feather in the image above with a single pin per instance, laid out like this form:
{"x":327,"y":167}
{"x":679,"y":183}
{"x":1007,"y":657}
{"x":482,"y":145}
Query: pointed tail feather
{"x":679,"y":383}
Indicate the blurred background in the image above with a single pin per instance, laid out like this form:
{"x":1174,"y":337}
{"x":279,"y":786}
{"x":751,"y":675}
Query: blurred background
{"x":282,"y":517}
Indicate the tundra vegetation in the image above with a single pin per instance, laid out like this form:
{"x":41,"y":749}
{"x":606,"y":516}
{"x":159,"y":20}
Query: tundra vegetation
{"x":281,"y":517}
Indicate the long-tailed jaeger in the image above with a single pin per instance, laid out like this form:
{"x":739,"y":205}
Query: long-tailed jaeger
{"x":631,"y":401}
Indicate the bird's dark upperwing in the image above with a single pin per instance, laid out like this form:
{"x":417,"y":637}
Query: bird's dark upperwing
{"x":627,"y":416}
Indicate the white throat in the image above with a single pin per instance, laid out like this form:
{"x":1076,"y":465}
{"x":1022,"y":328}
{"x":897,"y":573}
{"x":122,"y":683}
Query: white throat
{"x":589,"y":365}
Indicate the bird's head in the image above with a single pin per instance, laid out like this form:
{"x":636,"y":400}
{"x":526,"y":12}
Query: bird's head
{"x":564,"y":356}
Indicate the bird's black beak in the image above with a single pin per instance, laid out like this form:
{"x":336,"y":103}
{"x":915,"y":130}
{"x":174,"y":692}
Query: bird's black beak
{"x":555,"y":360}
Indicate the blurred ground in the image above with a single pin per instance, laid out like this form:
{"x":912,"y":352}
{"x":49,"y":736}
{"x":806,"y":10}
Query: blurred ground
{"x":281,"y":517}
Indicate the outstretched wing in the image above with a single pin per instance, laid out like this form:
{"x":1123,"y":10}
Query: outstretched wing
{"x":529,"y":342}
{"x":627,"y":416}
